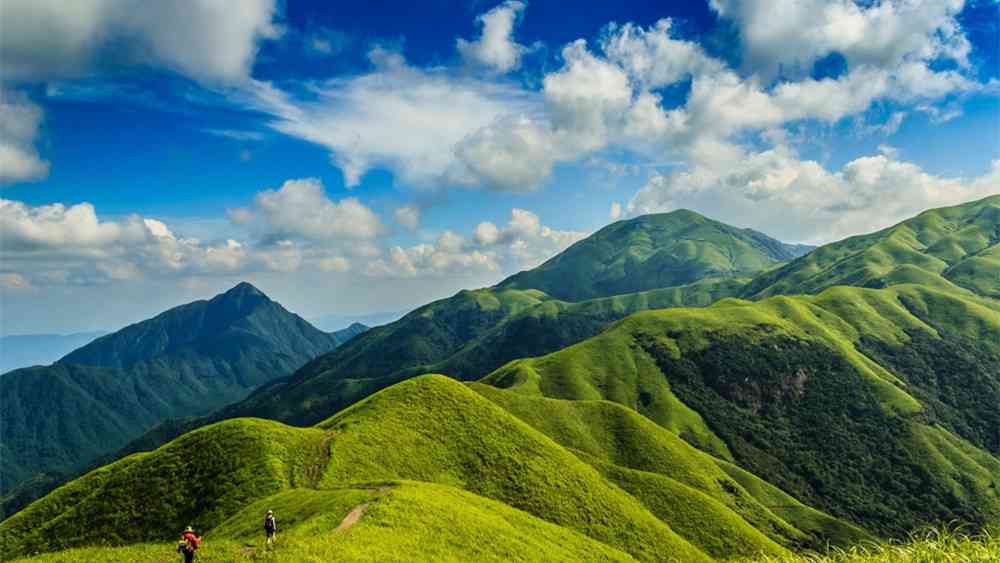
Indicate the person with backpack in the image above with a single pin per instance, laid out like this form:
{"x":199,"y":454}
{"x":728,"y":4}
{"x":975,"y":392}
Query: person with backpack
{"x":188,"y":545}
{"x":270,"y":527}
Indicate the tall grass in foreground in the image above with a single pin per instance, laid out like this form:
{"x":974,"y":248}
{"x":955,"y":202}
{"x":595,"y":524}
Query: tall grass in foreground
{"x":939,"y":545}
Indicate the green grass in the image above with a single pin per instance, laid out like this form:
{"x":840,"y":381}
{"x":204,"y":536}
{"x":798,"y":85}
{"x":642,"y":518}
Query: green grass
{"x":435,"y":429}
{"x":630,"y":448}
{"x":786,"y":385}
{"x":935,"y":546}
{"x":202,"y":479}
{"x":940,"y":247}
{"x":407,"y":521}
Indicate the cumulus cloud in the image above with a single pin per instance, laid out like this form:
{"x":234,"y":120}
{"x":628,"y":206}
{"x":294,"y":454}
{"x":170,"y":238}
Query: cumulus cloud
{"x":208,"y":40}
{"x":789,"y":35}
{"x":20,"y":121}
{"x":300,"y":209}
{"x":799,"y":200}
{"x":59,"y":244}
{"x":496,"y":47}
{"x":523,"y":243}
{"x":407,"y":216}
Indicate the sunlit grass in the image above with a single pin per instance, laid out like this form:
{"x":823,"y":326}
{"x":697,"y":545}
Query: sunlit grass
{"x":939,"y":545}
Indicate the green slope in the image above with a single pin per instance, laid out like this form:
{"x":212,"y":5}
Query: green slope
{"x":437,"y":431}
{"x":685,"y":487}
{"x":790,"y":385}
{"x":404,"y":522}
{"x":431,"y":458}
{"x":651,"y":252}
{"x":190,"y":360}
{"x":952,"y":246}
{"x":653,"y":261}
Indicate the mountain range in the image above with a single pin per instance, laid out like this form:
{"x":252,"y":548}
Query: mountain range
{"x":670,"y":388}
{"x":187,"y":361}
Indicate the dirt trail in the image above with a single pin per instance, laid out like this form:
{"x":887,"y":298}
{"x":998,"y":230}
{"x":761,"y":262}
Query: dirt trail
{"x":353,"y":516}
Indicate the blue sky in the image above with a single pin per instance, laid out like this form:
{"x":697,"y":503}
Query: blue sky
{"x":360,"y":157}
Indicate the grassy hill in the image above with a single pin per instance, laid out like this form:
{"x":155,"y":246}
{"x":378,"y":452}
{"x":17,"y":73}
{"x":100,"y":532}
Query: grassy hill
{"x":189,"y":360}
{"x":654,"y":251}
{"x":793,"y":388}
{"x":947,"y":247}
{"x":429,"y":458}
{"x":653,"y":261}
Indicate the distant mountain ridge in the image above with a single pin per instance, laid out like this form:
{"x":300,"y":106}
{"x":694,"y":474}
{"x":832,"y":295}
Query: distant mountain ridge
{"x":601,"y":279}
{"x":26,"y":350}
{"x":187,"y":361}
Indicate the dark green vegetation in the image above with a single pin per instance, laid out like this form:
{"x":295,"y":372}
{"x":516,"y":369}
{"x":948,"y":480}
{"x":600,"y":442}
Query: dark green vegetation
{"x":189,"y":360}
{"x":433,"y":456}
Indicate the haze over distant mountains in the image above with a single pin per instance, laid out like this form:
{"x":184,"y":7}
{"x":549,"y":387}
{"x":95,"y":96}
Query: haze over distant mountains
{"x":24,"y":350}
{"x":332,"y":323}
{"x":184,"y":362}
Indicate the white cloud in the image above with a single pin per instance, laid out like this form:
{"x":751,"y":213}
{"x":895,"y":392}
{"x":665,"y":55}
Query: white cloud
{"x":397,"y":116}
{"x":653,"y":57}
{"x":513,"y":155}
{"x":799,"y":200}
{"x":208,"y":40}
{"x":20,"y":121}
{"x":496,"y":47}
{"x":408,"y":216}
{"x":301,"y":209}
{"x":59,"y":244}
{"x":236,"y":134}
{"x":13,"y":280}
{"x":791,"y":34}
{"x":615,"y":213}
{"x":486,"y":233}
{"x":427,"y":260}
{"x":523,"y":243}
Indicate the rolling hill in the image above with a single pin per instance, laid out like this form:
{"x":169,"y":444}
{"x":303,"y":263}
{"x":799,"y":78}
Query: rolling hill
{"x":189,"y":360}
{"x":473,"y":332}
{"x":431,"y":459}
{"x":952,"y":247}
{"x":877,"y":406}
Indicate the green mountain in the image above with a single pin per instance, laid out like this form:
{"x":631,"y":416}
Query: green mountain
{"x":654,"y":261}
{"x":726,"y":430}
{"x":445,"y":470}
{"x":947,"y":247}
{"x":651,"y":252}
{"x":877,"y":406}
{"x":187,"y":361}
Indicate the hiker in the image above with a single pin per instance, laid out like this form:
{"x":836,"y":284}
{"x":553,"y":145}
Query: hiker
{"x":270,"y":527}
{"x":188,"y":545}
